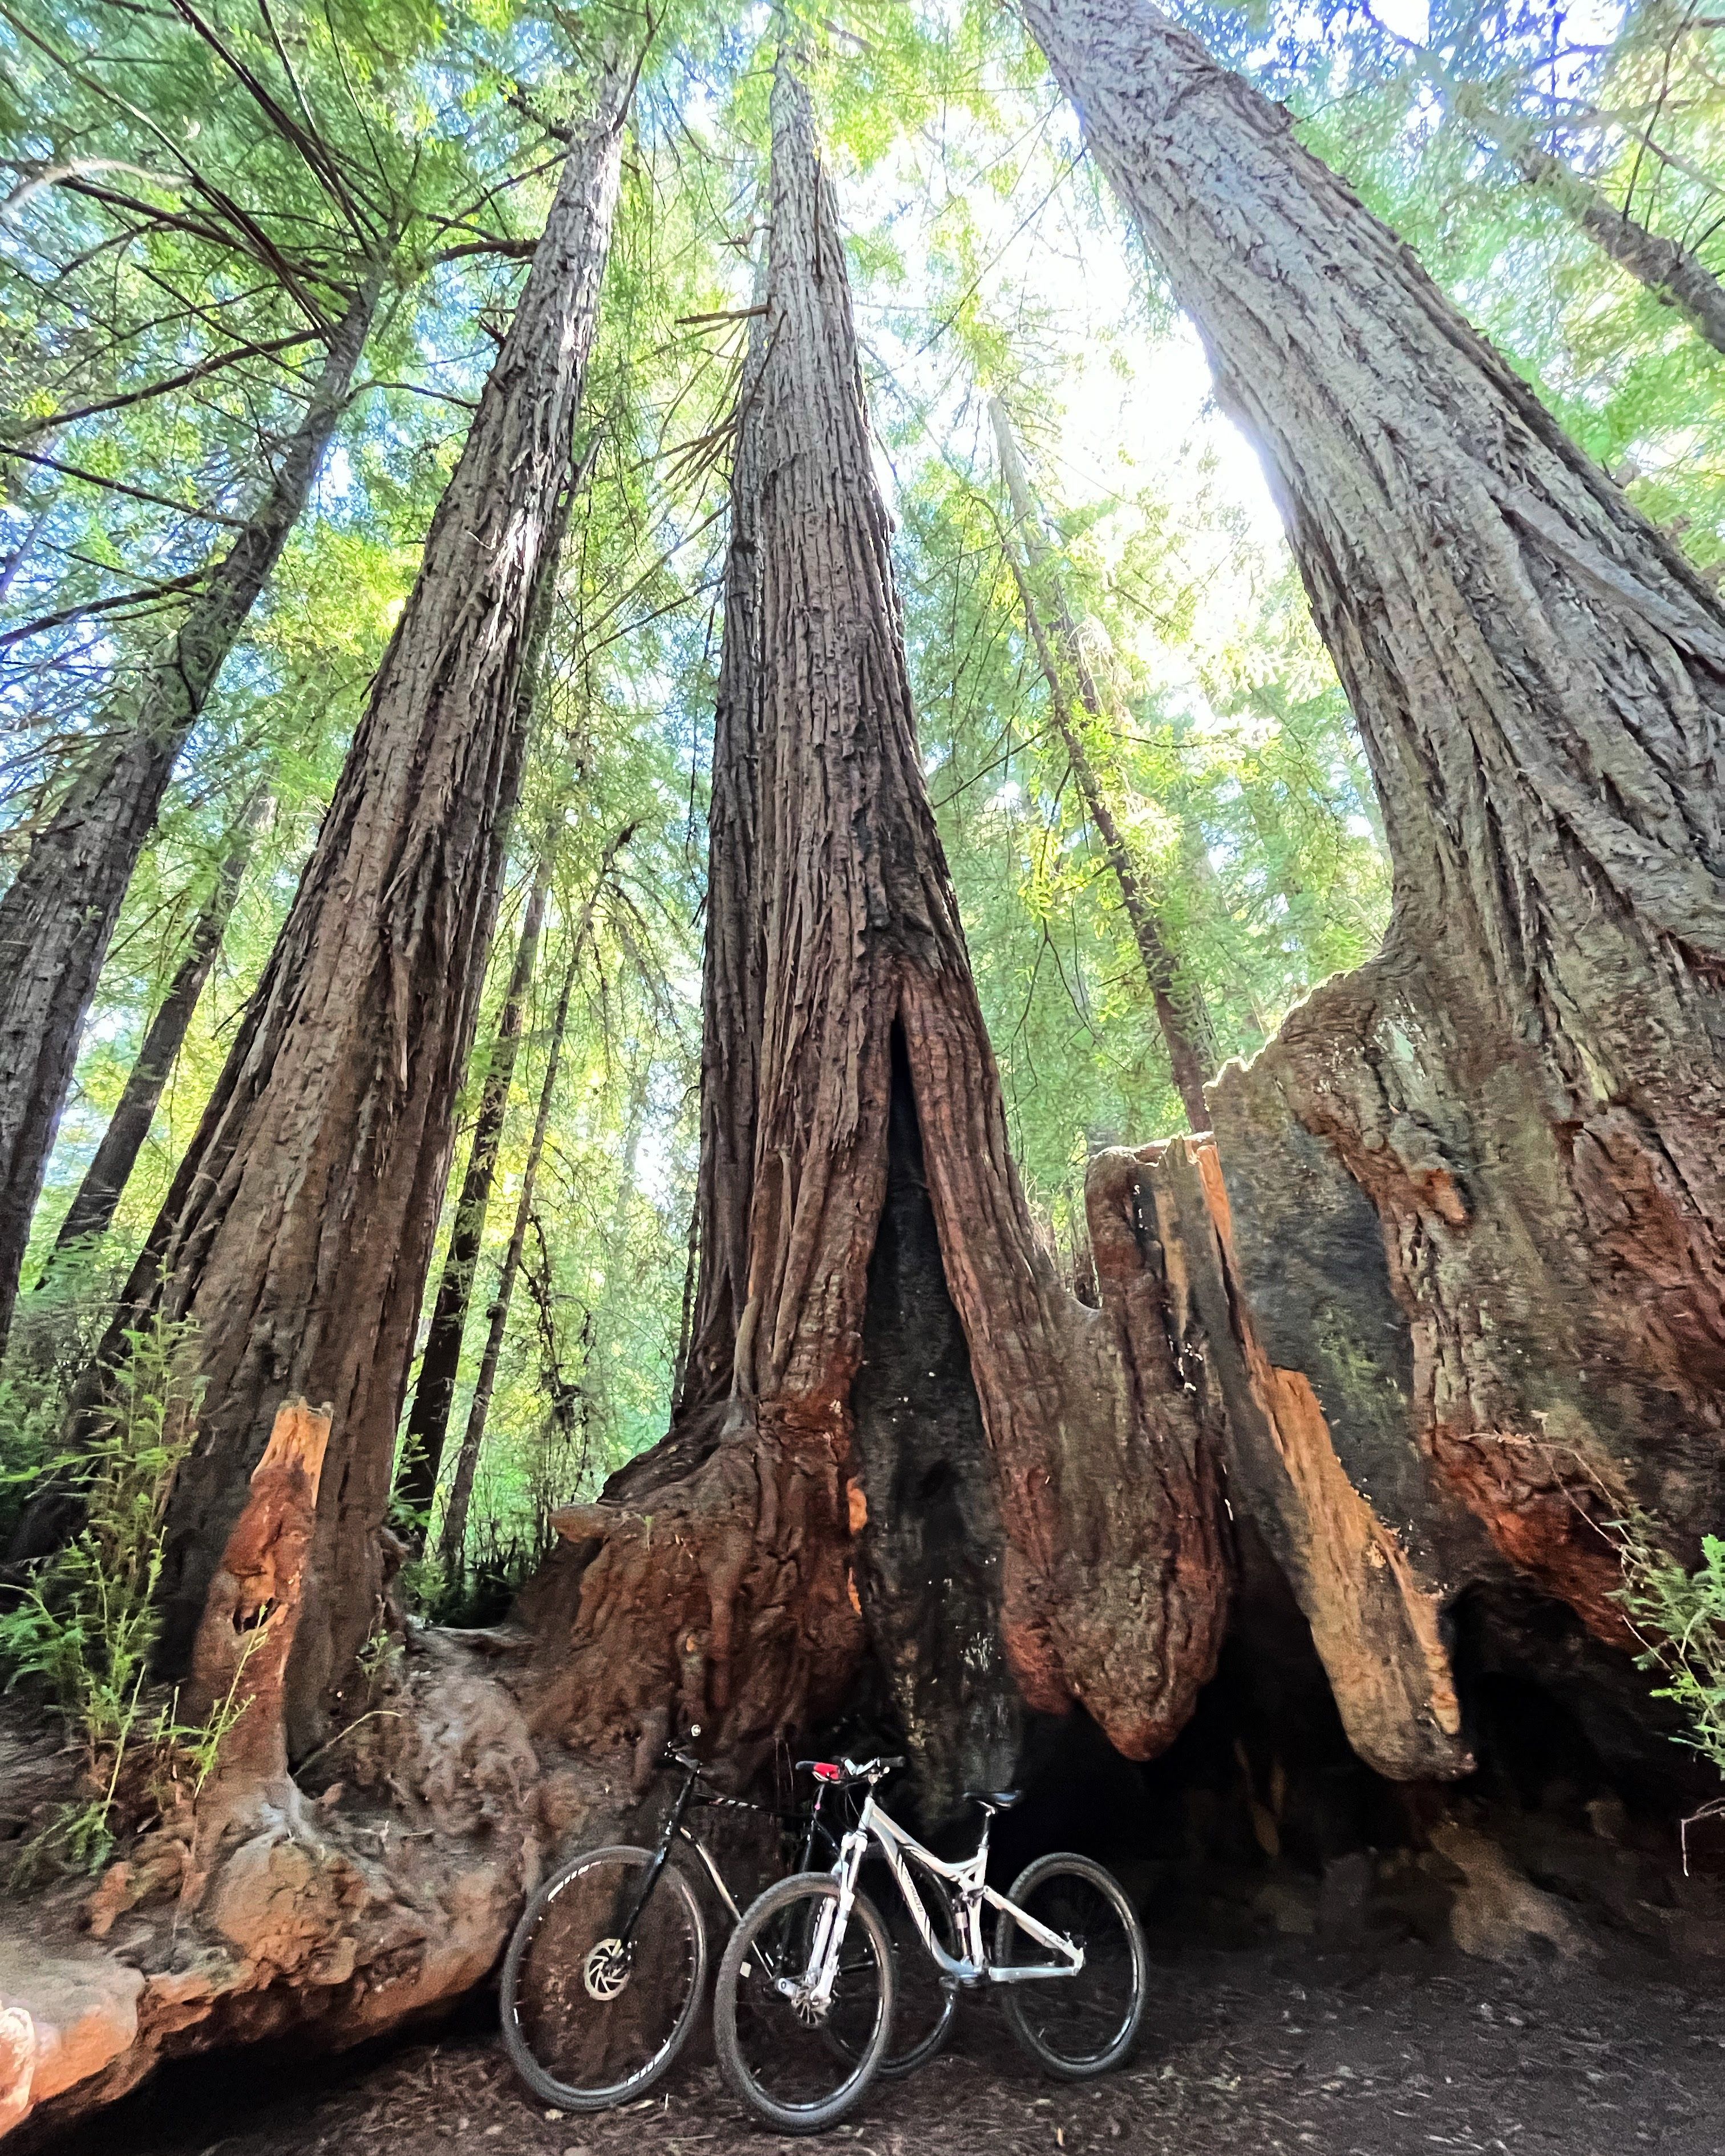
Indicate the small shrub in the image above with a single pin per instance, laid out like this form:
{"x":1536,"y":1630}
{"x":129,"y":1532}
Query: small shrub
{"x":84,"y":1628}
{"x":1679,"y":1617}
{"x":56,"y":1333}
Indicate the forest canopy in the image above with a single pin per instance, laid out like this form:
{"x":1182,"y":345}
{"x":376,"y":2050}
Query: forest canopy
{"x":1111,"y":655}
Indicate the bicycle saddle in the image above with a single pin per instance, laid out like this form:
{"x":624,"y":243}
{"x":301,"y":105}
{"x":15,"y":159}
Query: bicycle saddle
{"x":993,"y":1800}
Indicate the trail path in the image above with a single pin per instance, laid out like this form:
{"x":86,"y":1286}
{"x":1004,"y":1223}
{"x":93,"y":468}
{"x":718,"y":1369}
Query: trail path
{"x":1414,"y":2053}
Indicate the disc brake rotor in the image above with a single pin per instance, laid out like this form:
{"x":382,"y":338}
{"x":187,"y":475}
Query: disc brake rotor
{"x":606,"y":1970}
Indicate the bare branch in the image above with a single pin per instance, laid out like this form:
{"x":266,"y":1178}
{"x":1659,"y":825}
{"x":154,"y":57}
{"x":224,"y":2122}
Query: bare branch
{"x":119,"y":487}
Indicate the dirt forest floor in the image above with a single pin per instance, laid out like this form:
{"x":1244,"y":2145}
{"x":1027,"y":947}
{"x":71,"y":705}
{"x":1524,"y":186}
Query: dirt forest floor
{"x":1266,"y":2050}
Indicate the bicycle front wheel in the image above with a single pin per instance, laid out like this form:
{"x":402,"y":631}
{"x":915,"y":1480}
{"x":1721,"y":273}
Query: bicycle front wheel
{"x":590,"y":2019}
{"x":800,"y":2061}
{"x":1074,"y":2026}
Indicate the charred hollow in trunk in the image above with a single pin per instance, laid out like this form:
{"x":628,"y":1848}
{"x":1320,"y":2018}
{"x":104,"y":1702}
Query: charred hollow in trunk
{"x":1261,"y":1823}
{"x":928,"y":1538}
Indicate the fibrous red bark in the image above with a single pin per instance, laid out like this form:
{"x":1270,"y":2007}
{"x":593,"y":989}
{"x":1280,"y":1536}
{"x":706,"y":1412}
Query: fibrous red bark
{"x":1477,"y":1187}
{"x":718,"y":1571}
{"x":297,"y":1234}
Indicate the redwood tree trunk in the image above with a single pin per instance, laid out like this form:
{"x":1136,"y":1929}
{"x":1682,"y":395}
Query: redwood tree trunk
{"x":454,"y":1528}
{"x":454,"y":1539}
{"x":58,"y":912}
{"x":735,"y":972}
{"x":299,"y":1227}
{"x":725,"y":1574}
{"x":1477,"y":1185}
{"x":1181,"y":1011}
{"x":92,"y":1210}
{"x":440,"y":1364}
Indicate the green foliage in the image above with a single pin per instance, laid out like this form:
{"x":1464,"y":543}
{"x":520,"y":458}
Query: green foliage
{"x":986,"y":257}
{"x":1632,"y":107}
{"x":85,"y":1625}
{"x":1679,"y":1618}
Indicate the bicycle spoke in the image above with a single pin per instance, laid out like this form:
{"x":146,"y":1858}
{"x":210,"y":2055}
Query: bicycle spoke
{"x":799,"y":2059}
{"x":923,"y":2005}
{"x":1074,"y":2024}
{"x":596,"y":2013}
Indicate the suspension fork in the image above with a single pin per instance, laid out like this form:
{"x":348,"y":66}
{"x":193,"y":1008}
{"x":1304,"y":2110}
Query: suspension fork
{"x":656,"y":1863}
{"x":822,"y":1971}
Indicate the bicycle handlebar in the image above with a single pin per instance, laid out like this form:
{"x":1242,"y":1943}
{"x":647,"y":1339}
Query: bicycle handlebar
{"x":854,"y":1770}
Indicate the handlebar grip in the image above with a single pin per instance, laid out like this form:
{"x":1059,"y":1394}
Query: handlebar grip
{"x":890,"y":1765}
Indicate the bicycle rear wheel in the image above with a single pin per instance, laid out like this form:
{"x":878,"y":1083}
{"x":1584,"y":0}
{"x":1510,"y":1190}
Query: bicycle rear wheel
{"x":588,"y":2022}
{"x":799,"y":2064}
{"x":924,"y":2002}
{"x":1074,"y":2026}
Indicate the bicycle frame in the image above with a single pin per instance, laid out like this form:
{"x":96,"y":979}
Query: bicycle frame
{"x":967,"y":1891}
{"x":674,"y":1828}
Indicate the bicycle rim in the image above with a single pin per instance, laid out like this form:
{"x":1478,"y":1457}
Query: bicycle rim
{"x":923,"y":2002}
{"x":799,"y":2064}
{"x":1075,"y":2025}
{"x":587,"y":2022}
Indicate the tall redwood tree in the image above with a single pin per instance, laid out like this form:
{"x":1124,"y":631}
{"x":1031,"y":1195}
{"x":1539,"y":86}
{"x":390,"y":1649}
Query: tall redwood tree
{"x":1181,"y":1011}
{"x":58,"y":912}
{"x":1478,"y":1185}
{"x":441,"y":1362}
{"x":298,"y":1231}
{"x":92,"y":1210}
{"x":893,"y":1410}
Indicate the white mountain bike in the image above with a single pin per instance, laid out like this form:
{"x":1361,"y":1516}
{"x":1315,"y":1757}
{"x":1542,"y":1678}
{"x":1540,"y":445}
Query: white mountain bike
{"x":802,"y":2011}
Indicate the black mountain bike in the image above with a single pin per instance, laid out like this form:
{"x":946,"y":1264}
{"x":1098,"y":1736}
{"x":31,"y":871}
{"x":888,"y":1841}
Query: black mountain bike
{"x":607,"y":1966}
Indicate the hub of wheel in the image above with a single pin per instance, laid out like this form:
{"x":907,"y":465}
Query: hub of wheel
{"x":607,"y":1969}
